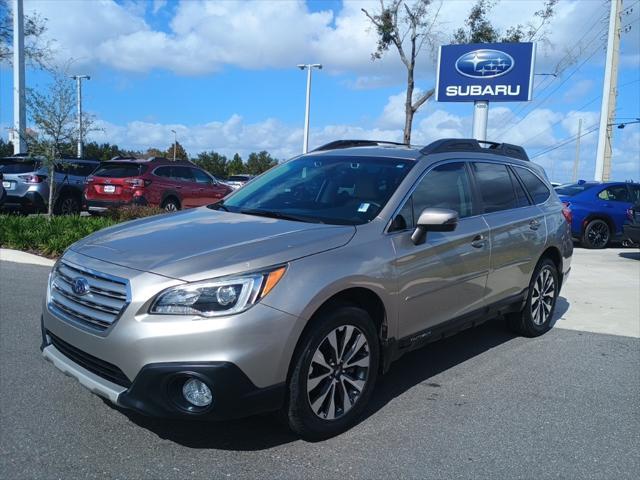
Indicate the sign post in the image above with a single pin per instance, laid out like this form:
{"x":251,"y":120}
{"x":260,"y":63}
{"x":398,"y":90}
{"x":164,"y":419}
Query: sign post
{"x":484,"y":72}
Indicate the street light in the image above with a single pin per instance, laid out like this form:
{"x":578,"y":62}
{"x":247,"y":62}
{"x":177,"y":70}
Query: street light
{"x":309,"y":67}
{"x":175,"y":144}
{"x":78,"y":79}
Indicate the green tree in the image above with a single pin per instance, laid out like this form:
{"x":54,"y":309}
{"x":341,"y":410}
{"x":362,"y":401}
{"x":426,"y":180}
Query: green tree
{"x":479,"y":28}
{"x":260,"y":162}
{"x":102,"y":152}
{"x":155,"y":152}
{"x":53,"y":111}
{"x":6,"y":148}
{"x":235,"y":166}
{"x":180,"y":152}
{"x":214,"y":163}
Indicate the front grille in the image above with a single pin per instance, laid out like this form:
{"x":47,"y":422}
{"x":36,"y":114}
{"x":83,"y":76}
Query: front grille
{"x":89,"y":362}
{"x":98,"y":308}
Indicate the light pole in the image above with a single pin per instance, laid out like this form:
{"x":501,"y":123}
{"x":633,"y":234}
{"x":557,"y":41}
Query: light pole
{"x":19,"y":117}
{"x":78,"y":79}
{"x":309,"y":67}
{"x":175,"y":144}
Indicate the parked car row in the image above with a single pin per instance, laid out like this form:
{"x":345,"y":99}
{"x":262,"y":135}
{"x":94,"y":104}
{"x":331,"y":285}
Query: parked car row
{"x":85,"y":184}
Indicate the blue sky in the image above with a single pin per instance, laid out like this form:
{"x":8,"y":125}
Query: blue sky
{"x":222,"y":74}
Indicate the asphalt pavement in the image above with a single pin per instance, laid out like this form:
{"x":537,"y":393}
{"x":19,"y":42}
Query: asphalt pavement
{"x":482,"y":404}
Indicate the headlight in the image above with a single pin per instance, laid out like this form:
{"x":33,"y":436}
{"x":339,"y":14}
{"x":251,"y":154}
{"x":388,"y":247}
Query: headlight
{"x":212,"y":298}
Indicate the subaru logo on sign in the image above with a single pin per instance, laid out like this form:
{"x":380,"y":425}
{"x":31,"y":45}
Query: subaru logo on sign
{"x":484,"y":63}
{"x":80,"y":286}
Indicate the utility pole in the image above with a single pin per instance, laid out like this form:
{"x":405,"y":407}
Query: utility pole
{"x":609,"y":93}
{"x":19,"y":113}
{"x":175,"y":144}
{"x":480,"y":117}
{"x":309,"y":67}
{"x":78,"y":79}
{"x":576,"y":161}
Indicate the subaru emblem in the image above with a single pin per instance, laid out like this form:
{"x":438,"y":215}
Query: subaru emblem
{"x":80,"y":286}
{"x":484,"y":63}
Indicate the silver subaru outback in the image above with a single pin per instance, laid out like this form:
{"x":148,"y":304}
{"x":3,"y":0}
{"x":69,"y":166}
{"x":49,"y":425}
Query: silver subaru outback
{"x":298,"y":290}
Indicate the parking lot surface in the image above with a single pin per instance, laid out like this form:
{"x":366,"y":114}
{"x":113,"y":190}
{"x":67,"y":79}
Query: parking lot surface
{"x":483,"y":404}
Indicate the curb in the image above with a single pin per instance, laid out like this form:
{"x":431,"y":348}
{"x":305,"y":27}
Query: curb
{"x":17,"y":256}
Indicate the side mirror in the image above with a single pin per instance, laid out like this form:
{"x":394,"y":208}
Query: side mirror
{"x":434,"y":220}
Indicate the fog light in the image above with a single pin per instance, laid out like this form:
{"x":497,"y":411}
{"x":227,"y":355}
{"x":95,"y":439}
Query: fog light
{"x":197,"y":393}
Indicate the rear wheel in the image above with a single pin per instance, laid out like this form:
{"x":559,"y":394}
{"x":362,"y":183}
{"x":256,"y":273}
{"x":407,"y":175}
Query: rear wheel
{"x":535,"y":318}
{"x":334,"y":374}
{"x":596,"y":234}
{"x":67,"y":205}
{"x":171,"y":204}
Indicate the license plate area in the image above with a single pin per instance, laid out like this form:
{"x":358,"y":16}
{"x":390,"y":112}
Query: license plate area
{"x":109,"y":188}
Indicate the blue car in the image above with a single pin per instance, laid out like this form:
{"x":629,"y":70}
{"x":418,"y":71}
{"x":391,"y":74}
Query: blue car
{"x":598,"y":210}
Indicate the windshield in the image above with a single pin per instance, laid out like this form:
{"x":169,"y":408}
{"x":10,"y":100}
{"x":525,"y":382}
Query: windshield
{"x":323,"y":189}
{"x":119,"y":170}
{"x":571,"y":189}
{"x":12,"y":165}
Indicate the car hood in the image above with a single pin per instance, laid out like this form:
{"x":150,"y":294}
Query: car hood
{"x":203,"y":243}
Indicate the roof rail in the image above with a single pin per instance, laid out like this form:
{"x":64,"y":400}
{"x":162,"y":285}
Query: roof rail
{"x":355,"y":143}
{"x":472,"y":145}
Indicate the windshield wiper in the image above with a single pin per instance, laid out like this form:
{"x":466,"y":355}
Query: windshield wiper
{"x":279,"y":215}
{"x":219,"y":206}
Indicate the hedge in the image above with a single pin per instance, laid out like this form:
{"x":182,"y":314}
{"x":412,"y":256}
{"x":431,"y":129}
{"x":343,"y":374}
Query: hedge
{"x":50,"y":237}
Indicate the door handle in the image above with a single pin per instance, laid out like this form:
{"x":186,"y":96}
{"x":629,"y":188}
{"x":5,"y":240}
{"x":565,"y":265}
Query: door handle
{"x":178,"y":187}
{"x":534,"y":224}
{"x":478,"y":241}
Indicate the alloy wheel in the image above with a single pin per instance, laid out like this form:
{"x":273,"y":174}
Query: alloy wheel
{"x":598,"y":234}
{"x":338,"y":372}
{"x":68,"y":206}
{"x":171,"y":207}
{"x":543,"y":297}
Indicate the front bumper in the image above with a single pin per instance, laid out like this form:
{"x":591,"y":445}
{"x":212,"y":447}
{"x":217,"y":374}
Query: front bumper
{"x":156,"y":390}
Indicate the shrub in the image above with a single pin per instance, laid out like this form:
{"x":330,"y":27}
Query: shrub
{"x":38,"y":234}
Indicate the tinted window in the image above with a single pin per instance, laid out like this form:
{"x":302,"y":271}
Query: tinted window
{"x":201,"y":177}
{"x":162,"y":172}
{"x":618,"y":193}
{"x":521,"y":196}
{"x":239,"y":178}
{"x":183,"y":173}
{"x":333,"y":189}
{"x":119,"y":170}
{"x":446,"y":186}
{"x":80,"y":169}
{"x":635,"y":193}
{"x":496,"y":188}
{"x":9,"y":165}
{"x":536,"y":187}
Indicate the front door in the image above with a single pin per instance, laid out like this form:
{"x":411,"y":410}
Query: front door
{"x":445,"y":277}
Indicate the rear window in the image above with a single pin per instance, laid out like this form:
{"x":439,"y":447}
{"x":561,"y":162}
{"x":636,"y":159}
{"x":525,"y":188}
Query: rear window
{"x":571,"y":189}
{"x":120,"y":170}
{"x":496,"y":187}
{"x":10,"y":165}
{"x":537,"y":189}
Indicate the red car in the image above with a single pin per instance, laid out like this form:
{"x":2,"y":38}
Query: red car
{"x":156,"y":182}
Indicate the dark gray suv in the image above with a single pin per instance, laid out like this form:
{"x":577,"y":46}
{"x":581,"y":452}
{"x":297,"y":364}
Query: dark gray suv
{"x":296,"y":291}
{"x":25,"y":181}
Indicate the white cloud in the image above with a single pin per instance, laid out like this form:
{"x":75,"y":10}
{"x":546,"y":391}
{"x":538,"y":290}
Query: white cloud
{"x":158,"y":5}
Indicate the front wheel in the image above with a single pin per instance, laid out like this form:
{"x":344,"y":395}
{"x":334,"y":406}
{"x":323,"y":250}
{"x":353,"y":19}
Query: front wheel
{"x":535,"y":318}
{"x":334,"y":374}
{"x":596,"y":234}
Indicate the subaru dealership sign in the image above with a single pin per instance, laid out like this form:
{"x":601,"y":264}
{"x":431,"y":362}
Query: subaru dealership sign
{"x":496,"y":72}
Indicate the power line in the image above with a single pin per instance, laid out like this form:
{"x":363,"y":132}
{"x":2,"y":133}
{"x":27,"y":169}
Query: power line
{"x":543,"y":100}
{"x":566,"y":141}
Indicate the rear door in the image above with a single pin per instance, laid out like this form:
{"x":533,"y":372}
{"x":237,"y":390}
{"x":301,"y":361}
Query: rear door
{"x":186,"y":186}
{"x":518,"y":231}
{"x":445,"y":277}
{"x":614,"y":201}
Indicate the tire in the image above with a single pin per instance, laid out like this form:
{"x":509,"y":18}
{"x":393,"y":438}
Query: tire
{"x":171,"y":204}
{"x":596,"y":234}
{"x":309,"y":408}
{"x":535,"y":319}
{"x":67,"y":205}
